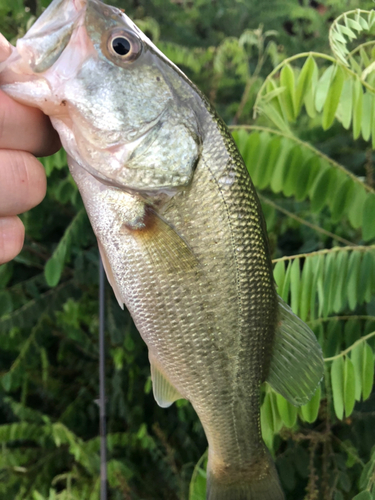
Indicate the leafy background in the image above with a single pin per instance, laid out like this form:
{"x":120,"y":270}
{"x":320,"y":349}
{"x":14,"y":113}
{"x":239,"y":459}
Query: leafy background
{"x":309,"y":149}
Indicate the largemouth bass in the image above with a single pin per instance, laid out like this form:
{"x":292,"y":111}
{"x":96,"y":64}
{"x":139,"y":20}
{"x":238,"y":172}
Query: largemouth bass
{"x":179,"y":228}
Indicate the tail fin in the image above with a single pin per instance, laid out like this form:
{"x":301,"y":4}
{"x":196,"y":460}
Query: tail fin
{"x":266,"y":487}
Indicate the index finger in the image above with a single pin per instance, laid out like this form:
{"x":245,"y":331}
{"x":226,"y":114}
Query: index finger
{"x":26,"y":129}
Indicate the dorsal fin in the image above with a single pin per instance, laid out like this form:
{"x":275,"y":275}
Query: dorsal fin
{"x":297,"y":364}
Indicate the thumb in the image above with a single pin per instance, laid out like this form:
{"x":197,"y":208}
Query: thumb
{"x":5,"y":48}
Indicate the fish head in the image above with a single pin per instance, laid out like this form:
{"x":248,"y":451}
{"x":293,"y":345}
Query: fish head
{"x":123,"y":111}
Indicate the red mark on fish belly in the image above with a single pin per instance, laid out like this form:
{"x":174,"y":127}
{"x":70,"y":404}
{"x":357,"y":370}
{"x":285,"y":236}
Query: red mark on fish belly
{"x":144,"y":225}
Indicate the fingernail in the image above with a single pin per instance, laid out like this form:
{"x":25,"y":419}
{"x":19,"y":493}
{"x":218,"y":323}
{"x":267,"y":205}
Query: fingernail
{"x":5,"y":48}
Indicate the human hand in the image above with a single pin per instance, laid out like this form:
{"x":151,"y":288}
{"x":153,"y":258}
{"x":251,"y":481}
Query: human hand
{"x":24,"y":133}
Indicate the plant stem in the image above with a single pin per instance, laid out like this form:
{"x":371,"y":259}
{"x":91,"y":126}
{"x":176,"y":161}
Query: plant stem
{"x":305,"y":222}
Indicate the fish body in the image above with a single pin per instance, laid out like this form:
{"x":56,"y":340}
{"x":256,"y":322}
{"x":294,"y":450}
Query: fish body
{"x":179,"y":228}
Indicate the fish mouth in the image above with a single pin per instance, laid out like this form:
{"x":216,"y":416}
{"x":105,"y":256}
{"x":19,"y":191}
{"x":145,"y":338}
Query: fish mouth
{"x":46,"y":40}
{"x":58,"y":36}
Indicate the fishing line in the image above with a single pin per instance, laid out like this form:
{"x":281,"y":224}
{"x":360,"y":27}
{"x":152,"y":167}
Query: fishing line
{"x":102,"y":412}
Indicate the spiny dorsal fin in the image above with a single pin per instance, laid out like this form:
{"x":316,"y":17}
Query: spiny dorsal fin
{"x":297,"y":364}
{"x":165,"y":393}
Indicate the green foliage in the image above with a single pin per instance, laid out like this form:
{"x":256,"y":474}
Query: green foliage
{"x":283,"y":163}
{"x":310,"y":156}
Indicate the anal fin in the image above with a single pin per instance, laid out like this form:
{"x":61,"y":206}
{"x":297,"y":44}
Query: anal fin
{"x":165,"y":393}
{"x":297,"y":364}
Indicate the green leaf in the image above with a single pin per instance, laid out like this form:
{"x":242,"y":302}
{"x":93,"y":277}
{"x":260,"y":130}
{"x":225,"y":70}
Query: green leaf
{"x":272,"y":101}
{"x":307,"y":176}
{"x":53,"y":270}
{"x":6,"y":303}
{"x":330,"y":272}
{"x":291,"y":170}
{"x":357,"y":108}
{"x":320,"y":191}
{"x":318,"y":266}
{"x":371,"y":18}
{"x":351,"y":23}
{"x":279,"y":274}
{"x":368,"y":227}
{"x":197,"y":489}
{"x":287,"y":412}
{"x":6,"y":381}
{"x":278,"y":172}
{"x":286,"y":285}
{"x":240,"y":137}
{"x":288,"y":96}
{"x":6,"y":273}
{"x":332,"y":344}
{"x":38,"y":496}
{"x":337,"y":382}
{"x":355,"y":210}
{"x":266,"y":420}
{"x":346,"y":31}
{"x":349,"y":386}
{"x":251,"y":152}
{"x":306,"y":282}
{"x":362,"y":21}
{"x":367,"y":116}
{"x":366,"y":474}
{"x":364,"y":495}
{"x":276,"y":419}
{"x":323,"y":87}
{"x":346,"y":104}
{"x":352,"y":331}
{"x":272,"y":155}
{"x":339,"y":299}
{"x":309,"y":412}
{"x":256,"y":158}
{"x":353,"y":278}
{"x":367,"y":371}
{"x":364,"y":290}
{"x":277,"y":118}
{"x":373,"y":124}
{"x":333,"y":98}
{"x":304,"y":82}
{"x":357,"y":358}
{"x":340,"y":203}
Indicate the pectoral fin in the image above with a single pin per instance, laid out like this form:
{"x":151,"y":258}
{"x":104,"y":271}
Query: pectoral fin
{"x":297,"y":362}
{"x":165,"y":247}
{"x":164,"y":392}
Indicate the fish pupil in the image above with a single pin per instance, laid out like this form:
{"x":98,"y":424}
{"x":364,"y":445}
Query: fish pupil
{"x":121,"y":46}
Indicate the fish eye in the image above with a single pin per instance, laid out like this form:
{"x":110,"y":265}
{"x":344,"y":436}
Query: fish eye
{"x":124,"y":45}
{"x":121,"y":45}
